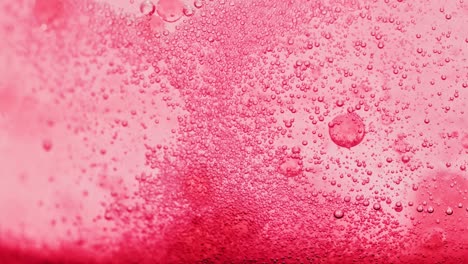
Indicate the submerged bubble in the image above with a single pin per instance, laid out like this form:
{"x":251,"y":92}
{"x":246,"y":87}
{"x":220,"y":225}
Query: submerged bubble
{"x":170,"y":10}
{"x":398,"y":207}
{"x":420,"y":208}
{"x":47,"y":145}
{"x":405,"y":158}
{"x":338,"y":214}
{"x":188,"y":11}
{"x":290,"y":167}
{"x":347,"y":130}
{"x":147,"y":8}
{"x":198,"y":3}
{"x":430,"y":209}
{"x":376,"y":206}
{"x":449,"y":211}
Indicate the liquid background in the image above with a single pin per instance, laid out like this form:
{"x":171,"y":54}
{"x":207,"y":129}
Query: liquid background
{"x":207,"y":131}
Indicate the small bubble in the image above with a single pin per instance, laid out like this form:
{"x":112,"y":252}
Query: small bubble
{"x":388,"y":200}
{"x":188,"y":11}
{"x":47,"y":145}
{"x":449,"y":211}
{"x":338,"y":214}
{"x":108,"y":216}
{"x":405,"y":159}
{"x":376,"y":206}
{"x":460,"y":205}
{"x":347,"y":199}
{"x":420,"y":208}
{"x":198,"y":3}
{"x":296,"y":150}
{"x":430,"y":209}
{"x":147,"y":8}
{"x":398,"y":207}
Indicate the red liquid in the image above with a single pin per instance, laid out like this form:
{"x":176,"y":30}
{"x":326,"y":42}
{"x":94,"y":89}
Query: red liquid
{"x":233,"y":132}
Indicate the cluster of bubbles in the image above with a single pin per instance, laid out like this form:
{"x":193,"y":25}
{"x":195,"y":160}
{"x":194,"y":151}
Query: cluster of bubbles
{"x":268,"y":131}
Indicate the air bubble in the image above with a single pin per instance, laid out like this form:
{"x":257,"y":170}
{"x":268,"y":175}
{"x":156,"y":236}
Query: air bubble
{"x":449,"y":211}
{"x":376,"y":206}
{"x":338,"y":214}
{"x":198,"y":3}
{"x":47,"y":145}
{"x":147,"y":8}
{"x":398,"y":207}
{"x":188,"y":11}
{"x":405,"y":159}
{"x":170,"y":10}
{"x":290,"y":167}
{"x":347,"y":130}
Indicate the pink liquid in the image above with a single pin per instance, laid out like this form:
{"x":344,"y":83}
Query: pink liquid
{"x":233,"y":131}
